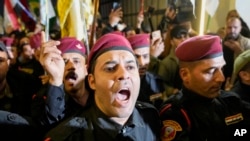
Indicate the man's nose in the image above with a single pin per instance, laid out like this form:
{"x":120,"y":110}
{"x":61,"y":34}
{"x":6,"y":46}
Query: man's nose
{"x":122,"y":73}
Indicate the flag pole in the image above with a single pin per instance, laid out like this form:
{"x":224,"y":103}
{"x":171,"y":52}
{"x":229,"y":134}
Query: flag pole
{"x":47,"y":24}
{"x":202,"y":18}
{"x":92,"y":34}
{"x":26,"y":11}
{"x":47,"y":21}
{"x":208,"y":22}
{"x":86,"y":39}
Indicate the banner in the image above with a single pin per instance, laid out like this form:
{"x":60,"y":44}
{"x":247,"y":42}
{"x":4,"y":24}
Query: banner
{"x":10,"y":20}
{"x":46,"y":12}
{"x":211,"y":6}
{"x":242,"y":7}
{"x":74,"y":16}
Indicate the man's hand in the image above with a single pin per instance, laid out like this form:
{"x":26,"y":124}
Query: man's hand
{"x":115,"y":16}
{"x":157,"y":47}
{"x":44,"y":78}
{"x":170,"y":13}
{"x":52,"y":61}
{"x":140,"y":19}
{"x":234,"y":46}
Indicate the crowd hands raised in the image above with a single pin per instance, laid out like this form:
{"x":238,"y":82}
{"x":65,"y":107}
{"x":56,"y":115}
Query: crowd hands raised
{"x":135,"y":84}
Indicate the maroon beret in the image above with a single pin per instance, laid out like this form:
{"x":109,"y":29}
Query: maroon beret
{"x":7,"y":41}
{"x":71,"y":45}
{"x":35,"y":40}
{"x":107,"y":42}
{"x":139,"y":40}
{"x":199,"y":47}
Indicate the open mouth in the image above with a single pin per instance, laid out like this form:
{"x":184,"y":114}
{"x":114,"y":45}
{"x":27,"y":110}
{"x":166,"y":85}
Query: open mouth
{"x":71,"y":75}
{"x":123,"y":95}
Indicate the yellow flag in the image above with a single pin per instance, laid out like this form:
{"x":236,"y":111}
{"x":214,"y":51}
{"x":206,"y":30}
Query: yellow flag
{"x":72,"y":18}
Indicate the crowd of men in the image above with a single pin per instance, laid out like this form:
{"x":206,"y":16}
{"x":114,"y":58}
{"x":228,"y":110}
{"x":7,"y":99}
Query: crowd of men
{"x":134,"y":85}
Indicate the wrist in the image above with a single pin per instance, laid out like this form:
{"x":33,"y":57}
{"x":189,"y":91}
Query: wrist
{"x":112,"y":24}
{"x":55,"y":82}
{"x":138,"y":26}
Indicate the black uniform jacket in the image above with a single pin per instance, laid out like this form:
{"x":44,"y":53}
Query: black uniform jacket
{"x":93,"y":125}
{"x":242,"y":90}
{"x":52,"y":105}
{"x":20,"y":90}
{"x":194,"y":118}
{"x":151,"y":84}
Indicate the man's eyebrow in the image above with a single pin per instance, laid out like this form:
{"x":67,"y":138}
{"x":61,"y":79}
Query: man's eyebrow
{"x":137,"y":55}
{"x":3,"y":58}
{"x":131,"y":61}
{"x":110,"y":62}
{"x":115,"y":62}
{"x":76,"y":58}
{"x":67,"y":58}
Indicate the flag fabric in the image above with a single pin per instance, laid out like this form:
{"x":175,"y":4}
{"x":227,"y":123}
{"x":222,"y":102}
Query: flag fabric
{"x":242,"y":7}
{"x":46,"y":11}
{"x":17,"y":12}
{"x":73,"y":18}
{"x":10,"y":18}
{"x":24,"y":6}
{"x":34,"y":6}
{"x":1,"y":25}
{"x":211,"y":6}
{"x":26,"y":19}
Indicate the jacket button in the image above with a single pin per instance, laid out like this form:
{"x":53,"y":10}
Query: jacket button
{"x":11,"y":117}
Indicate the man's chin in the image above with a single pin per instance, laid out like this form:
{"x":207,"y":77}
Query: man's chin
{"x":142,"y":73}
{"x":69,"y":84}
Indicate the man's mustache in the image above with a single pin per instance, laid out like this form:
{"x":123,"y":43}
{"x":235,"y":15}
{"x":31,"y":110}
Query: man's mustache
{"x":71,"y":75}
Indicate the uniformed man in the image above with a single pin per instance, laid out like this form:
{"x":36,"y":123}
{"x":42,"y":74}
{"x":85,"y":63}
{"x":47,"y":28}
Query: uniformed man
{"x":114,"y":115}
{"x":152,"y":86}
{"x":201,"y":111}
{"x":168,"y":67}
{"x":65,"y":64}
{"x":64,"y":93}
{"x":15,"y":97}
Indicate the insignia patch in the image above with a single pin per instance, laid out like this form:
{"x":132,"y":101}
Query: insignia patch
{"x":234,"y":119}
{"x":155,"y":96}
{"x":79,"y":46}
{"x":169,"y":129}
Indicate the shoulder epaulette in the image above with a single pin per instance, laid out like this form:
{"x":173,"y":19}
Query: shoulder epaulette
{"x":174,"y":104}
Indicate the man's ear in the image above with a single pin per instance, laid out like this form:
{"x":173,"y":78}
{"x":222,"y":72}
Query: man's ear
{"x":184,"y":74}
{"x":91,"y":80}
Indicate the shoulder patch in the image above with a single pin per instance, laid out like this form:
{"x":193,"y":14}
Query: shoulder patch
{"x":234,"y":119}
{"x":169,"y":129}
{"x":144,"y":105}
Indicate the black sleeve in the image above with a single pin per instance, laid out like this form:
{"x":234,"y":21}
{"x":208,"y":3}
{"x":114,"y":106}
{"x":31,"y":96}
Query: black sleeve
{"x":163,"y":24}
{"x":48,"y":106}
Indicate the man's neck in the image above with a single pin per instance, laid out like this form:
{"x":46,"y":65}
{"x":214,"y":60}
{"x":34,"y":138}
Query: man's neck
{"x":119,"y":120}
{"x":81,"y":97}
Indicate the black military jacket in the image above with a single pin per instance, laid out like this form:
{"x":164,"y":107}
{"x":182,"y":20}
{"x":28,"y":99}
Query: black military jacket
{"x":195,"y":118}
{"x":93,"y":125}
